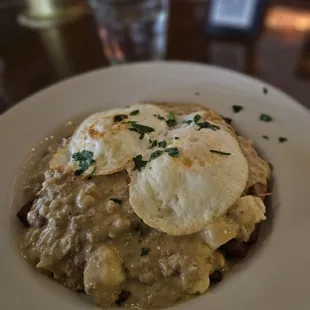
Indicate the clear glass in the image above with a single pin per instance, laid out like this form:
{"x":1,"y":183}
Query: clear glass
{"x":132,"y":30}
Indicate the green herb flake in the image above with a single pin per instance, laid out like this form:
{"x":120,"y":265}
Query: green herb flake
{"x":134,"y":112}
{"x":162,"y":144}
{"x":173,"y":152}
{"x":139,"y":162}
{"x":188,"y":122}
{"x":129,"y":122}
{"x":145,"y":251}
{"x":177,"y":138}
{"x":155,"y":154}
{"x":219,"y":152}
{"x":119,"y":117}
{"x":237,"y":108}
{"x":171,"y":119}
{"x":265,"y":137}
{"x":159,"y":117}
{"x":85,"y":160}
{"x":118,"y":201}
{"x":153,"y":143}
{"x":208,"y":125}
{"x":79,"y":172}
{"x":197,"y":118}
{"x":265,"y":118}
{"x":141,"y":128}
{"x":282,"y":139}
{"x":171,"y":115}
{"x":141,"y":136}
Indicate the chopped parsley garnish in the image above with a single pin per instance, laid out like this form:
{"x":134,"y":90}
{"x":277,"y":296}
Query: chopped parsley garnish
{"x":265,"y":137}
{"x":139,"y":162}
{"x":141,"y":129}
{"x":197,"y":118}
{"x":208,"y":125}
{"x":134,"y":112}
{"x":171,"y":119}
{"x":153,"y":143}
{"x":162,"y":144}
{"x":265,"y":118}
{"x":282,"y":139}
{"x":177,"y":138}
{"x":118,"y":201}
{"x":120,"y":117}
{"x":145,"y":251}
{"x":237,"y":108}
{"x":265,"y":90}
{"x":220,"y":152}
{"x":85,"y":160}
{"x":173,"y":152}
{"x":188,"y":122}
{"x":156,"y":154}
{"x":122,"y":297}
{"x":159,"y":117}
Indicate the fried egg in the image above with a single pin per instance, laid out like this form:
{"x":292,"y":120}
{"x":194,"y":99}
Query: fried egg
{"x":181,"y":192}
{"x":111,"y":137}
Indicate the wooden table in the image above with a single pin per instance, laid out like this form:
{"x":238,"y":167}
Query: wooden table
{"x":33,"y":59}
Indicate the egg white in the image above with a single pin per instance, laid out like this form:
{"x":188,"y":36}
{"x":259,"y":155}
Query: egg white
{"x":180,"y":195}
{"x":112,"y":144}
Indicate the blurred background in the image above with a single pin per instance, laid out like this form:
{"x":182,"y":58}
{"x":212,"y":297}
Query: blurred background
{"x":45,"y":41}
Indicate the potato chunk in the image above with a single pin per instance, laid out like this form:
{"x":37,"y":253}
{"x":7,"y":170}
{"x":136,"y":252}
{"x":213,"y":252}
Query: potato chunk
{"x":103,"y":275}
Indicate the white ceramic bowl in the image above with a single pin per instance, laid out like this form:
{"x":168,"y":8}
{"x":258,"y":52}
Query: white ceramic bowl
{"x":274,"y":276}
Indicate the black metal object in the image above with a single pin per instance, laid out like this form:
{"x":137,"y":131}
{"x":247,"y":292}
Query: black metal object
{"x":224,"y":18}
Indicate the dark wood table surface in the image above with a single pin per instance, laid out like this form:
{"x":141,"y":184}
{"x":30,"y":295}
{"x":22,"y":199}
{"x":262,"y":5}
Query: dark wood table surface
{"x":31,"y":59}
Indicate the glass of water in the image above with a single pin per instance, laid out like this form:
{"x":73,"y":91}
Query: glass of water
{"x":132,"y":30}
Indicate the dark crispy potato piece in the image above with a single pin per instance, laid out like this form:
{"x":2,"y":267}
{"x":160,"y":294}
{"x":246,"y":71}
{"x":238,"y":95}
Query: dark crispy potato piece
{"x":22,"y":214}
{"x":235,"y":248}
{"x":238,"y":249}
{"x":216,"y":276}
{"x":255,"y":234}
{"x":123,"y":296}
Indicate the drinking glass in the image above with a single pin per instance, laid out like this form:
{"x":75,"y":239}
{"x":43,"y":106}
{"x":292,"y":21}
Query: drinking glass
{"x":132,"y":30}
